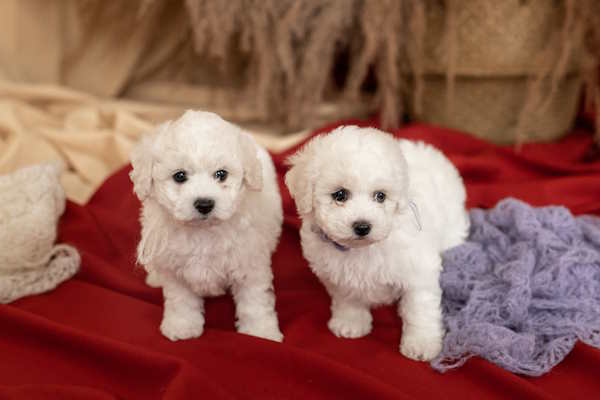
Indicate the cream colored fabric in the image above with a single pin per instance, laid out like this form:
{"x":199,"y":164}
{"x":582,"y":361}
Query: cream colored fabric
{"x":96,"y":47}
{"x":90,"y":135}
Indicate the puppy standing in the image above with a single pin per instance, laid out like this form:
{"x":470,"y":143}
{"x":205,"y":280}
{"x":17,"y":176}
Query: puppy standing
{"x":211,"y":219}
{"x":377,"y":212}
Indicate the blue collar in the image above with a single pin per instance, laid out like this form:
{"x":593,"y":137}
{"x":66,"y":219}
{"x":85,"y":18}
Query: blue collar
{"x":323,"y":236}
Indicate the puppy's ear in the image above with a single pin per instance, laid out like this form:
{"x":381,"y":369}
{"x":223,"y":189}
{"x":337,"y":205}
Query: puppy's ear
{"x":253,"y":173}
{"x":401,"y":177}
{"x":142,"y":161}
{"x":299,"y":179}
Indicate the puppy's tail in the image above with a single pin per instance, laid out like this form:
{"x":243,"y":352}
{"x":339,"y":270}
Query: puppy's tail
{"x":459,"y":235}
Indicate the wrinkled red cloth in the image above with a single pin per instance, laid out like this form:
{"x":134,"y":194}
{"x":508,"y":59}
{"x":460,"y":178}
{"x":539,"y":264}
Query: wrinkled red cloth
{"x":97,"y":337}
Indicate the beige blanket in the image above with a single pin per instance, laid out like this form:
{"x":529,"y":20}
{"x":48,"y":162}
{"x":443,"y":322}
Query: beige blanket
{"x":90,"y":135}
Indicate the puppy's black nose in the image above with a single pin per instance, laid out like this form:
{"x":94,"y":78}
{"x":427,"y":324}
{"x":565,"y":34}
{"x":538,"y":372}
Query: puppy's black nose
{"x":204,"y":206}
{"x":361,"y":228}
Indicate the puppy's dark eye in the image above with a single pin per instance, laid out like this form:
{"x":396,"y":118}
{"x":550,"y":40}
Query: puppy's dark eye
{"x":340,"y":196}
{"x":379,"y":197}
{"x":221,"y":175}
{"x":180,"y":176}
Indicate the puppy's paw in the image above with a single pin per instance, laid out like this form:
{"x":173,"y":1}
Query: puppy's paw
{"x":351,"y":324}
{"x":263,"y":328}
{"x":153,"y":280}
{"x":179,"y":327}
{"x":420,"y":347}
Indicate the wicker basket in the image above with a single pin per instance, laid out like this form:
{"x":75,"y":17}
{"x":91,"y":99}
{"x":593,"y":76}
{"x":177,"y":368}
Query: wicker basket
{"x":496,"y":43}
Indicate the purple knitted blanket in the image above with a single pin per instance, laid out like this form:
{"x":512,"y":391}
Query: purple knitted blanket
{"x":523,"y":289}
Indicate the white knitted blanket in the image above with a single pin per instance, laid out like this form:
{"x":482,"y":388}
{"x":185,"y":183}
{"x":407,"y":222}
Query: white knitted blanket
{"x":31,"y":202}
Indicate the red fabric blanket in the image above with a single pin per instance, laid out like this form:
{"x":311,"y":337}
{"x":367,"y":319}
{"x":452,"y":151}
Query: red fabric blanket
{"x":97,"y":337}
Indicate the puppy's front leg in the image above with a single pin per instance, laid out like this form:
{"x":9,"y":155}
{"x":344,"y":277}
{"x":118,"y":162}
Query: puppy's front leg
{"x":183,"y":316}
{"x":255,"y":309}
{"x":153,"y":278}
{"x":422,"y":327}
{"x":350,"y":318}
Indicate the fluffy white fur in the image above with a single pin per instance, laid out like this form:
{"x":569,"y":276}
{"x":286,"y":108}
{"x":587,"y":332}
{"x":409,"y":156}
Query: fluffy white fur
{"x":399,"y":260}
{"x":193,"y":255}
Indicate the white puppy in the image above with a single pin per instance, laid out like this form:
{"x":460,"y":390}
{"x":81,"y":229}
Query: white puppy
{"x":377,"y":212}
{"x":211,"y":219}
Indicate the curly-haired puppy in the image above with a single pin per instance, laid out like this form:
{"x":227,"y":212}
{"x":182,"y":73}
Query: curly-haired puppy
{"x":377,"y":212}
{"x":211,"y":218}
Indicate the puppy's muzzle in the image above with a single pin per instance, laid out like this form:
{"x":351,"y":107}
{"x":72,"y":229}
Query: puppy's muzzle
{"x":204,"y":206}
{"x":361,"y":228}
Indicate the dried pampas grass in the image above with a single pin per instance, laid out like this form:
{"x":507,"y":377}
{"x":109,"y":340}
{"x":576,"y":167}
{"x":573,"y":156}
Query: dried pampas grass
{"x":291,"y":56}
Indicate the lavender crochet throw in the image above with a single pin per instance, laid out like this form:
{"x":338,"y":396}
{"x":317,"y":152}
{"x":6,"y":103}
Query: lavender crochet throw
{"x":523,"y":289}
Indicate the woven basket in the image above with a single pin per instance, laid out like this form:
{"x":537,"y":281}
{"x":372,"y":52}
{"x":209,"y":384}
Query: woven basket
{"x":496,"y":46}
